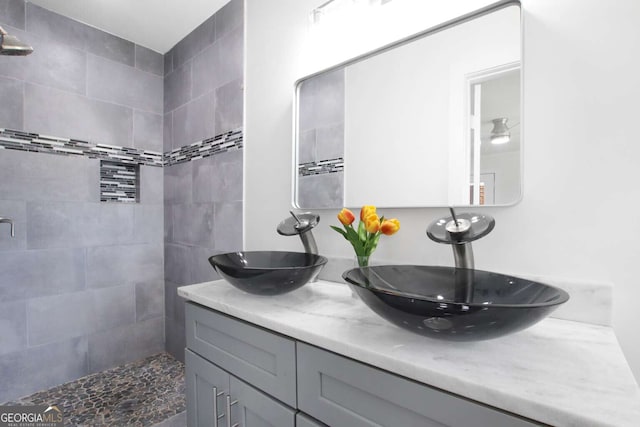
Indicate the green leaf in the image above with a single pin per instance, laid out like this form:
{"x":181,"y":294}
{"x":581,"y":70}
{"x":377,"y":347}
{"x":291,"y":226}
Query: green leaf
{"x":362,"y":231}
{"x":339,"y":230}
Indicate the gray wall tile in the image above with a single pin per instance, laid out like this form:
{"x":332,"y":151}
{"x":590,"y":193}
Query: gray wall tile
{"x":173,"y":303}
{"x":330,"y":141}
{"x":168,"y":62}
{"x":193,"y":224}
{"x":151,"y":185}
{"x":175,"y":338}
{"x":58,"y":317}
{"x":16,"y":211}
{"x":118,"y":265}
{"x":231,"y":66}
{"x":177,"y":87}
{"x":114,"y":82}
{"x":82,"y":118}
{"x":194,"y":42}
{"x":27,"y":371}
{"x":30,"y":274}
{"x":178,"y":183}
{"x":133,"y":342}
{"x":68,"y":225}
{"x":149,"y":60}
{"x":48,"y":177}
{"x":109,"y":46}
{"x":205,"y":173}
{"x":148,"y":223}
{"x":55,"y":27}
{"x":307,"y":146}
{"x":147,"y":131}
{"x":205,"y":70}
{"x":13,"y":326}
{"x":318,"y":191}
{"x":228,"y":226}
{"x":12,"y":13}
{"x":201,"y":269}
{"x":11,"y":113}
{"x":227,"y":183}
{"x":176,"y":264}
{"x":149,"y":300}
{"x":194,"y":121}
{"x":112,"y":307}
{"x":167,"y":132}
{"x":229,"y":103}
{"x":229,"y":18}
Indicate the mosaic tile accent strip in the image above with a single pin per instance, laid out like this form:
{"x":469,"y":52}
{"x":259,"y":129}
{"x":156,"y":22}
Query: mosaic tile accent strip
{"x":141,"y":393}
{"x":321,"y":167}
{"x":232,"y":140}
{"x":119,"y":182}
{"x":25,"y":141}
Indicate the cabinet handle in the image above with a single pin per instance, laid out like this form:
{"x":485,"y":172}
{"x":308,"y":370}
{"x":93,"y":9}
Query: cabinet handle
{"x":229,"y":405}
{"x":216,"y":417}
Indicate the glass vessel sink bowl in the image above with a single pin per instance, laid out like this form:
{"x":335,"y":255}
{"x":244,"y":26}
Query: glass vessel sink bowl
{"x":268,"y":272}
{"x":454,"y":304}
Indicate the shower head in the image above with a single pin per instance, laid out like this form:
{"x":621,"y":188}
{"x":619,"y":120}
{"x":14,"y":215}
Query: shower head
{"x":10,"y":45}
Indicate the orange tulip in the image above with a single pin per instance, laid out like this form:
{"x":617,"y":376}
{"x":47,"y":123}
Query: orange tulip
{"x":346,"y":217}
{"x":390,"y":226}
{"x":372,"y":223}
{"x":366,"y":211}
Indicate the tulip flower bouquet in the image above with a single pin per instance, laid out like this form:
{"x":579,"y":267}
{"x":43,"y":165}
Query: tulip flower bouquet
{"x":365,"y":239}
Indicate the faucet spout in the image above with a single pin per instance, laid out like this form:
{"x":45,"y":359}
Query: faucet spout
{"x":10,"y":222}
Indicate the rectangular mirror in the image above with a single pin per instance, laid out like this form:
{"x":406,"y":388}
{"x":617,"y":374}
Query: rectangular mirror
{"x":433,"y":120}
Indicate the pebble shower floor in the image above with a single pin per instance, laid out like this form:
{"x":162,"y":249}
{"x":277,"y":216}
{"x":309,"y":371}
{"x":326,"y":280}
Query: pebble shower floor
{"x":141,"y":393}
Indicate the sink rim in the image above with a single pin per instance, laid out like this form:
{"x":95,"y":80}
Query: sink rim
{"x":318,"y":260}
{"x":561,"y":298}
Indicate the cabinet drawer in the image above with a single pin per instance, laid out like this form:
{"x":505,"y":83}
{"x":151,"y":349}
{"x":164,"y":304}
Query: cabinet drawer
{"x":341,"y":392}
{"x":261,"y":358}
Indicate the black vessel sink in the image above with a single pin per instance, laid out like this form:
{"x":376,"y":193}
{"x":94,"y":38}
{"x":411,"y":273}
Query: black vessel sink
{"x":454,"y":304}
{"x":268,"y":272}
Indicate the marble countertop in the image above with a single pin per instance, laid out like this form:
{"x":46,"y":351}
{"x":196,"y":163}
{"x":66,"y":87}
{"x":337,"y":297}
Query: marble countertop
{"x":559,"y":372}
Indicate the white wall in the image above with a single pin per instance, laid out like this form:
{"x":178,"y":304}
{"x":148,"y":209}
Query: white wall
{"x":578,"y":216}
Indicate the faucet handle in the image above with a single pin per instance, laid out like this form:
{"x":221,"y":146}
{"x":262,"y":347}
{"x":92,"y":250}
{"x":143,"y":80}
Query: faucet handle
{"x":9,"y":221}
{"x":298,"y":223}
{"x":461,"y":228}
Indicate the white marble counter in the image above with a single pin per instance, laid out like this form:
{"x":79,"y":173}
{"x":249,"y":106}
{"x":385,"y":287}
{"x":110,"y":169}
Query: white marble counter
{"x":558,"y":372}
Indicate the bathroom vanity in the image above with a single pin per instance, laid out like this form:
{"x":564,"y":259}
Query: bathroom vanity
{"x":317,"y":356}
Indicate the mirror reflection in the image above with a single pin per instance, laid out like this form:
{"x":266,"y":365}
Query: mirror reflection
{"x":432,"y":121}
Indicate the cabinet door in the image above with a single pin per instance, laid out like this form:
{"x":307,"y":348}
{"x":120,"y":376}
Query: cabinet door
{"x":255,"y":409}
{"x":305,"y":421}
{"x":207,"y":386}
{"x":342,"y":392}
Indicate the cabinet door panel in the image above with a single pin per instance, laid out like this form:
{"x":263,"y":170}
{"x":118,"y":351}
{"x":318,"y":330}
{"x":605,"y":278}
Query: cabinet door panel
{"x":263,"y":359}
{"x":202,"y":380}
{"x":255,"y":409}
{"x":305,"y":421}
{"x":342,"y":392}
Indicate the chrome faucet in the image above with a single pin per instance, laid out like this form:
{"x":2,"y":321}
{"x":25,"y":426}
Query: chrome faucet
{"x":9,"y":221}
{"x":459,"y":231}
{"x":301,"y":224}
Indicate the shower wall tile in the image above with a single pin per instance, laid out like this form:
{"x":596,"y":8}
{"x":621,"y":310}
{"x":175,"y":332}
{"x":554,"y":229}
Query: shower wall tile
{"x":178,"y":183}
{"x":16,"y":211}
{"x":112,"y":307}
{"x":37,"y":368}
{"x":69,"y":225}
{"x":149,"y":300}
{"x":193,"y":224}
{"x":229,"y":105}
{"x":231,"y":65}
{"x":12,"y":13}
{"x":230,"y":17}
{"x":11,"y":113}
{"x":134,"y":341}
{"x":13,"y":326}
{"x":55,"y":178}
{"x":147,"y":131}
{"x":53,"y":26}
{"x":58,"y":317}
{"x":194,"y":42}
{"x":177,"y":87}
{"x":201,"y":269}
{"x":173,"y":304}
{"x":226,"y":185}
{"x":175,"y":338}
{"x":176,"y":265}
{"x":82,"y":118}
{"x":228,"y":226}
{"x":149,"y":61}
{"x":148,"y":223}
{"x":151,"y":185}
{"x":194,"y":121}
{"x":117,"y":83}
{"x":109,"y":46}
{"x":330,"y":142}
{"x":204,"y":80}
{"x":167,"y":132}
{"x":31,"y":274}
{"x":124,"y":264}
{"x":325,"y":190}
{"x":168,"y":61}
